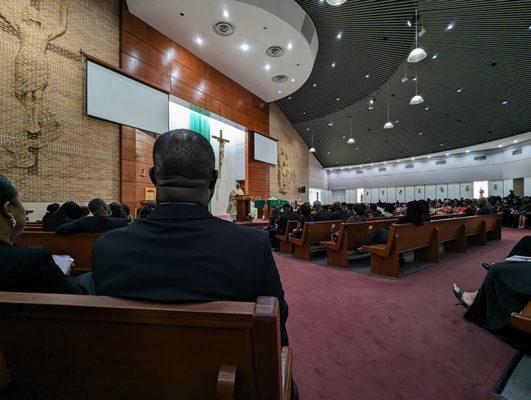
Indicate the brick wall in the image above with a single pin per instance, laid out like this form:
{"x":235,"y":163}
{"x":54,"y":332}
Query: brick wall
{"x":84,"y":161}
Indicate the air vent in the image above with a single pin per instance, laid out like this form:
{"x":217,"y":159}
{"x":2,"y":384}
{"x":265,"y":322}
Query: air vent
{"x":224,"y":28}
{"x":359,"y":171}
{"x":383,"y":169}
{"x":280,"y":78}
{"x":275,"y":51}
{"x":440,"y":162}
{"x":479,"y":158}
{"x":516,"y":152}
{"x":409,"y":166}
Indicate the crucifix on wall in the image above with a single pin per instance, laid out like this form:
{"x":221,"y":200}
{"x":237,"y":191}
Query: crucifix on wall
{"x":222,"y":143}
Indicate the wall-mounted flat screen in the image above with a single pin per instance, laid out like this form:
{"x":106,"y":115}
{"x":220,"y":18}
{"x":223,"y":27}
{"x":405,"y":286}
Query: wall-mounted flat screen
{"x":265,"y":149}
{"x":117,"y":98}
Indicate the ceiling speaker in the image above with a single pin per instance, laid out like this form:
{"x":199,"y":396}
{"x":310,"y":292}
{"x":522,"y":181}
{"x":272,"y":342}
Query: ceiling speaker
{"x":275,"y":51}
{"x":224,"y":28}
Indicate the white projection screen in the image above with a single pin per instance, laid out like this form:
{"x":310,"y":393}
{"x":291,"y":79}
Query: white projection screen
{"x":265,"y":149}
{"x":116,"y":98}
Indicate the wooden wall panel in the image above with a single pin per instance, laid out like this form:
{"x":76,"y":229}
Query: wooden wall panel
{"x":153,"y":57}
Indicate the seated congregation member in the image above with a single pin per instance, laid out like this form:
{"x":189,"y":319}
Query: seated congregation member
{"x":181,"y":253}
{"x":414,"y":214}
{"x":305,"y":216}
{"x":273,"y":217}
{"x":68,"y":212}
{"x":145,"y":210}
{"x":359,"y":214}
{"x":339,"y":212}
{"x":49,"y":212}
{"x":320,"y":214}
{"x":483,"y":208}
{"x":505,"y":289}
{"x":285,"y":216}
{"x":100,"y":222}
{"x":25,"y":269}
{"x":388,"y":210}
{"x":374,"y":212}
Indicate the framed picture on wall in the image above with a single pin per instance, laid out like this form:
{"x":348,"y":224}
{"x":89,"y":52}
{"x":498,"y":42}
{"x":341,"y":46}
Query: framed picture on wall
{"x":150,"y":194}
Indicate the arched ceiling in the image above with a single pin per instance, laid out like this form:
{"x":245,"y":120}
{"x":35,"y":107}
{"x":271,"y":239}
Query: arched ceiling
{"x":487,"y":54}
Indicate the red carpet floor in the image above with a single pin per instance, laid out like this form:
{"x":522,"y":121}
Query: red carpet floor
{"x":362,"y":337}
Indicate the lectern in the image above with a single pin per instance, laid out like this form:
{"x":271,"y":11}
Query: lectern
{"x":243,"y":207}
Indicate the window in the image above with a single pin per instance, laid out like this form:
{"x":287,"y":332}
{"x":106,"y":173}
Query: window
{"x":481,"y":189}
{"x":479,"y":158}
{"x":440,"y":162}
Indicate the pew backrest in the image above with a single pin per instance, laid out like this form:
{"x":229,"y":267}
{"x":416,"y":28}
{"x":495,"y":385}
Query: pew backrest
{"x":314,"y":232}
{"x":78,"y":246}
{"x":357,"y":232}
{"x":449,"y":229}
{"x":410,"y":237}
{"x":96,"y":347}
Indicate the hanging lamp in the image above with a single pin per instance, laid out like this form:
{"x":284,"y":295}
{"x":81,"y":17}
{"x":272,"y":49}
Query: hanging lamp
{"x":417,"y":54}
{"x":417,"y":99}
{"x":350,"y":140}
{"x":312,"y":149}
{"x":388,"y":124}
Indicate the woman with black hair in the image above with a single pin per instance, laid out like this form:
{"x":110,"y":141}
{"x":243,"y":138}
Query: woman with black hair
{"x":50,"y":210}
{"x":25,"y":269}
{"x":68,"y":212}
{"x":305,"y":216}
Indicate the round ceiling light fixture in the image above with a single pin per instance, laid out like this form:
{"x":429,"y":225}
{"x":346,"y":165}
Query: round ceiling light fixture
{"x":350,"y":140}
{"x":388,"y":124}
{"x":224,"y":28}
{"x":275,"y":51}
{"x":336,"y":2}
{"x":312,"y":149}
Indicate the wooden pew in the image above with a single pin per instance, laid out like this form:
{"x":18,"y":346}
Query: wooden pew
{"x":452,"y":233}
{"x":402,"y":238}
{"x":351,"y":236}
{"x":522,"y":319}
{"x":285,"y":246}
{"x":312,"y":234}
{"x":78,"y":246}
{"x":493,"y":225}
{"x":66,"y":347}
{"x":476,"y":231}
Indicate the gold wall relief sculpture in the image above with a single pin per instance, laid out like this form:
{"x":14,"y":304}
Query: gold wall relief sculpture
{"x":285,"y":173}
{"x":31,"y":80}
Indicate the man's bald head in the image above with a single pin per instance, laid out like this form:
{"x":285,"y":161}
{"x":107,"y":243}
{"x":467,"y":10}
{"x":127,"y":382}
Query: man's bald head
{"x":183,"y":162}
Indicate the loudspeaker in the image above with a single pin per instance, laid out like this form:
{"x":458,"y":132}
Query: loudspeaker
{"x":302,"y":189}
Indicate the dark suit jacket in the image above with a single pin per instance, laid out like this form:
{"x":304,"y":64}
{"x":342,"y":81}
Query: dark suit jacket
{"x":91,"y":225}
{"x":322,"y":215}
{"x":181,"y":253}
{"x":284,"y":219}
{"x":32,"y":270}
{"x":339,"y":214}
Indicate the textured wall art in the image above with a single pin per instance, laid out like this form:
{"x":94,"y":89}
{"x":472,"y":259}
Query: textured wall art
{"x":31,"y":80}
{"x":285,"y":173}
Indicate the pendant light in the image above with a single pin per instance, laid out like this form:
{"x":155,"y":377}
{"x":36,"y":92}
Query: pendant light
{"x":336,"y":2}
{"x":417,"y":99}
{"x":312,"y":149}
{"x":405,"y":78}
{"x":417,"y":54}
{"x":350,"y":140}
{"x":388,"y":124}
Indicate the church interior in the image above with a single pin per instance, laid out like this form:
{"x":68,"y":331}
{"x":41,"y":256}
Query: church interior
{"x":265,"y":199}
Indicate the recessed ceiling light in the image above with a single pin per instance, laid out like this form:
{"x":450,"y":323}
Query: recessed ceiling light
{"x":505,"y":102}
{"x":372,"y":165}
{"x":333,"y":65}
{"x":293,"y":79}
{"x":371,"y":101}
{"x":367,"y":76}
{"x":339,"y":35}
{"x":244,"y":47}
{"x":447,"y":154}
{"x":225,"y":13}
{"x":414,"y":79}
{"x":289,"y":98}
{"x":357,"y":148}
{"x":413,"y":158}
{"x":426,"y":108}
{"x":290,"y":46}
{"x":429,"y":156}
{"x":434,"y":57}
{"x":468,"y":151}
{"x":460,"y":90}
{"x":267,"y":67}
{"x":315,"y":85}
{"x":450,"y":26}
{"x":420,"y":133}
{"x":515,"y":141}
{"x":441,"y":144}
{"x":499,"y":145}
{"x":304,"y":112}
{"x":280,"y":92}
{"x":198,"y":40}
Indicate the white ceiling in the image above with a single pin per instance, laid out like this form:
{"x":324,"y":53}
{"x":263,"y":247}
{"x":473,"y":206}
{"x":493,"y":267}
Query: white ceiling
{"x":259,"y":24}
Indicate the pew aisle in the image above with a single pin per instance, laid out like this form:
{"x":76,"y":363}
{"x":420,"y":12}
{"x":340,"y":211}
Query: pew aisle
{"x":372,"y":338}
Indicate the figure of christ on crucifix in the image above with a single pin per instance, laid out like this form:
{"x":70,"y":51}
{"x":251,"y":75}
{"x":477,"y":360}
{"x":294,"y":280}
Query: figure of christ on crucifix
{"x":31,"y":67}
{"x":222,"y":143}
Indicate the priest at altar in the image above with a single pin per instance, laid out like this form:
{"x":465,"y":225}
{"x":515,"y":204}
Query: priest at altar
{"x":232,"y":207}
